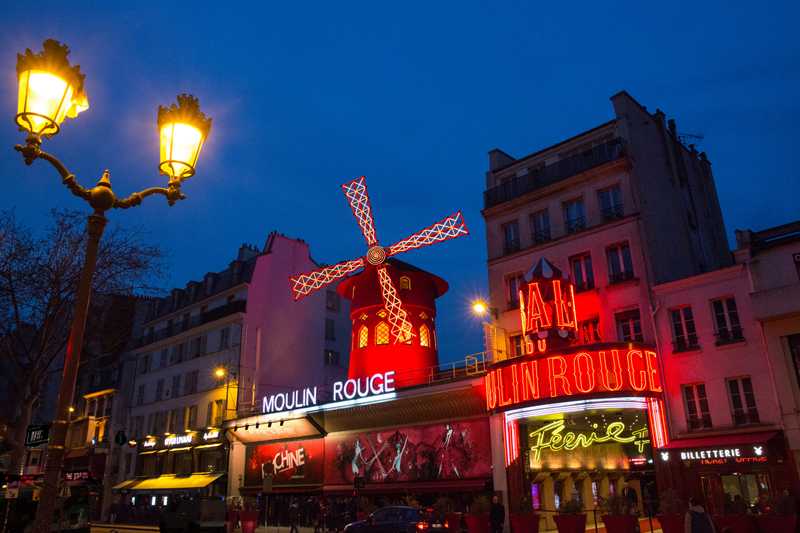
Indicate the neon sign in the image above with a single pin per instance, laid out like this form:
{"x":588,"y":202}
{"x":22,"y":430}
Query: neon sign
{"x":349,"y":389}
{"x":286,"y":460}
{"x":611,"y":370}
{"x":149,"y":443}
{"x":721,"y":456}
{"x":175,"y":440}
{"x":553,"y":437}
{"x":211,"y":434}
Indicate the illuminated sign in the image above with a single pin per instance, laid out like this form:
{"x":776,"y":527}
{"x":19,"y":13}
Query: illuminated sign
{"x":211,"y":434}
{"x":175,"y":440}
{"x":284,"y":461}
{"x":721,"y":456}
{"x":553,"y":437}
{"x":149,"y":443}
{"x":81,"y":475}
{"x":585,"y":372}
{"x":349,"y":389}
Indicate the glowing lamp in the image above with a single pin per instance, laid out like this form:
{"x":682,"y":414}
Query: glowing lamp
{"x":183,"y":129}
{"x":479,"y":308}
{"x":219,"y":372}
{"x":50,"y":89}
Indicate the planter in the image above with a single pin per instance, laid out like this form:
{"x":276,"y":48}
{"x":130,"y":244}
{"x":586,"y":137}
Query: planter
{"x":772,"y":523}
{"x":570,"y":523}
{"x":671,"y":523}
{"x":620,"y":523}
{"x":524,"y":523}
{"x":477,"y":522}
{"x":738,"y":523}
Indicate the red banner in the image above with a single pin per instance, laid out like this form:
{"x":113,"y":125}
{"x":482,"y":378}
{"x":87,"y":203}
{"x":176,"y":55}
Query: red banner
{"x":291,"y":463}
{"x":447,"y":451}
{"x":572,"y":375}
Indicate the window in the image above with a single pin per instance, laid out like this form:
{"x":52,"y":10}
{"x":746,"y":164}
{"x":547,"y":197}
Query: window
{"x":540,"y":226}
{"x":684,"y":336}
{"x":589,"y":331}
{"x":128,"y":463}
{"x":159,"y":390}
{"x":424,"y":336}
{"x":177,"y":354}
{"x":190,"y":383}
{"x":224,"y":338}
{"x":796,"y":258}
{"x":176,"y":385}
{"x":629,"y":326}
{"x":169,"y":326}
{"x":144,"y":364}
{"x":696,"y":404}
{"x":137,"y":426}
{"x":610,"y":203}
{"x":330,"y":329}
{"x":743,"y":402}
{"x":150,"y":429}
{"x":620,"y":266}
{"x":331,"y":358}
{"x":191,"y":417}
{"x":510,"y":237}
{"x":574,"y":216}
{"x":405,"y":283}
{"x":726,"y":321}
{"x":363,"y":334}
{"x":196,"y":349}
{"x":163,"y":359}
{"x":516,"y":345}
{"x":332,"y":302}
{"x":514,"y":283}
{"x":582,"y":275}
{"x":140,"y":395}
{"x":794,"y":351}
{"x":382,"y":333}
{"x":186,"y":322}
{"x":218,"y":413}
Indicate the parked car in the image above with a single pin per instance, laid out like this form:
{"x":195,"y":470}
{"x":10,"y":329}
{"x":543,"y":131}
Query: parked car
{"x":399,"y":519}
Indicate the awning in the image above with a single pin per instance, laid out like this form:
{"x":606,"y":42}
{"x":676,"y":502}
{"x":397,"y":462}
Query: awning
{"x":708,"y":441}
{"x":171,"y":481}
{"x":128,"y":483}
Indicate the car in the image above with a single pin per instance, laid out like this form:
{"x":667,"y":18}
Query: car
{"x":399,"y":519}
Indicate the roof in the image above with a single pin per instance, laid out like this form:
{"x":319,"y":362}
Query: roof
{"x":441,"y":285}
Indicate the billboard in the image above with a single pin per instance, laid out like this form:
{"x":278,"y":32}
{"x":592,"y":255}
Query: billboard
{"x":444,"y":451}
{"x":291,"y":463}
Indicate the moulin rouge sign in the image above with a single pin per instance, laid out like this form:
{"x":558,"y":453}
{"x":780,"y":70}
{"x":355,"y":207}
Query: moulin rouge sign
{"x":548,"y":319}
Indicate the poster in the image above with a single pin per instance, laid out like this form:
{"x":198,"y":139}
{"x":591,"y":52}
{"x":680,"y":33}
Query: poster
{"x":291,"y":463}
{"x":445,"y":451}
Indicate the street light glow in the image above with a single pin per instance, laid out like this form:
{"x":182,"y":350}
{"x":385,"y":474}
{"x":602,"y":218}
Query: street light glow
{"x":479,"y":308}
{"x":219,"y":372}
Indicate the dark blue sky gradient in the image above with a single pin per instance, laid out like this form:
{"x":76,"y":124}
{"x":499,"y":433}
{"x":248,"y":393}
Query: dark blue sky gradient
{"x":306,"y":96}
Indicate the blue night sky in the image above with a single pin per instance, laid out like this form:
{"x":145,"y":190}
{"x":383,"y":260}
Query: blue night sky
{"x":306,"y":96}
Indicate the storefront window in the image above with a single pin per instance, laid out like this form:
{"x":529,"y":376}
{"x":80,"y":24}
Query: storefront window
{"x":212,"y":461}
{"x":183,"y":463}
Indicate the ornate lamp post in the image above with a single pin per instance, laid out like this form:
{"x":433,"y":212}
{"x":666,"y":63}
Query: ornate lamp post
{"x":51,"y":90}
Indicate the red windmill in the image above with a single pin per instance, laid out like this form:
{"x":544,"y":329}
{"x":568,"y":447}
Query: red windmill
{"x":356,"y":191}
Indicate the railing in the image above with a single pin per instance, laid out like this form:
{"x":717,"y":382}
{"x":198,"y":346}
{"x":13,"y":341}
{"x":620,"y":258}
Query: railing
{"x":472,"y":365}
{"x":237,"y":306}
{"x":612,"y":212}
{"x":685,"y":344}
{"x":620,"y":277}
{"x":509,"y":247}
{"x":699,"y":422}
{"x":744,"y":418}
{"x":727,"y":336}
{"x":541,"y":236}
{"x":574,"y":225}
{"x":584,"y":286}
{"x":562,"y":169}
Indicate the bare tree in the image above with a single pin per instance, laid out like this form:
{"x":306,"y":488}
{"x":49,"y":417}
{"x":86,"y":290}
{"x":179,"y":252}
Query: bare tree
{"x":38,"y":280}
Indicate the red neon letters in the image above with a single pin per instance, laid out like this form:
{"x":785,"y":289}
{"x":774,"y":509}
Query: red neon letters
{"x":572,"y":375}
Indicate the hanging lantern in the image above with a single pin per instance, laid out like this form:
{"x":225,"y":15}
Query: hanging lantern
{"x":183,"y":129}
{"x":50,"y":89}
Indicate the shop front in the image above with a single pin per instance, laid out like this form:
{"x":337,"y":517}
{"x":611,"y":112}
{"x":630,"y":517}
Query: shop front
{"x":734,"y":474}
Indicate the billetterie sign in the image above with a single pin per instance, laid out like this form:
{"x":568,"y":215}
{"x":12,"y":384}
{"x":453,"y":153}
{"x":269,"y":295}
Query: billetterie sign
{"x":350,"y":389}
{"x":572,"y":375}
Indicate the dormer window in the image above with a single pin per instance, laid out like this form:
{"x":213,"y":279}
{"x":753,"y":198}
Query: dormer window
{"x":405,"y":283}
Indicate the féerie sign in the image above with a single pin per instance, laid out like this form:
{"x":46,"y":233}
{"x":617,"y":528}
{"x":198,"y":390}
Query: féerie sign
{"x":350,"y":389}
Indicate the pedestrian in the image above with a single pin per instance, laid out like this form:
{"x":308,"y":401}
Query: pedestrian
{"x":497,"y":516}
{"x":787,"y":506}
{"x":697,"y":520}
{"x":739,"y":506}
{"x":294,"y":516}
{"x":631,"y":499}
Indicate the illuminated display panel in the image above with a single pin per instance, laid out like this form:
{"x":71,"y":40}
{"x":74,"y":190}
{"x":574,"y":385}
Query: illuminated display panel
{"x":618,"y":369}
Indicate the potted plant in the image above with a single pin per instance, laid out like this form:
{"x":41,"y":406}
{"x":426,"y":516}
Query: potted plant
{"x":616,"y":515}
{"x":570,"y":517}
{"x":671,"y":511}
{"x":523,"y":519}
{"x":478,"y":517}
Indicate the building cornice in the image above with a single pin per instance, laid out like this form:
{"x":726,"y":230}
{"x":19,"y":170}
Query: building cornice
{"x":715,"y":276}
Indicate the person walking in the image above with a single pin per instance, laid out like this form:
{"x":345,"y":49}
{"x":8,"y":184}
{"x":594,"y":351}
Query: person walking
{"x":697,"y":520}
{"x":497,"y":516}
{"x":294,"y":516}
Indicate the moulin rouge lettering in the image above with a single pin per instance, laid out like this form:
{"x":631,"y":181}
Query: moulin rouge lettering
{"x":544,"y":311}
{"x":349,"y":389}
{"x":553,"y":437}
{"x":572,"y":374}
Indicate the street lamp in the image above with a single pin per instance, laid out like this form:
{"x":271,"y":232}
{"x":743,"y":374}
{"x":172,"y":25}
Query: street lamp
{"x":480,"y":308}
{"x":50,"y":91}
{"x":488,"y":315}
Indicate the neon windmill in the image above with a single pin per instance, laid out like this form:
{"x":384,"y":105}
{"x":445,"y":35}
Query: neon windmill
{"x":356,"y":192}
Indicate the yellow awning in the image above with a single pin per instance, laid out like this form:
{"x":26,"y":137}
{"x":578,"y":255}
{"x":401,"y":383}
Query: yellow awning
{"x":125,"y":484}
{"x":171,"y":481}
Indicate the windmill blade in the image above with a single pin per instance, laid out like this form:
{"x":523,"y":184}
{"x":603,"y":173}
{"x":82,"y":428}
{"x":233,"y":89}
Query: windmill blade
{"x":447,"y":228}
{"x":398,"y":318}
{"x":305,"y":284}
{"x":356,"y":192}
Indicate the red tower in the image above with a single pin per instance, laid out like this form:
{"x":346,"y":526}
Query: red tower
{"x":373,"y":349}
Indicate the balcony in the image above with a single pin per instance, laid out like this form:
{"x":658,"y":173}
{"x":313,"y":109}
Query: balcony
{"x":745,"y":418}
{"x":511,"y":246}
{"x":562,"y":169}
{"x":237,"y":306}
{"x":574,"y":225}
{"x":583,"y":286}
{"x":620,"y":277}
{"x":729,"y":336}
{"x":541,"y":236}
{"x":613,"y":212}
{"x":695,"y":423}
{"x":685,"y":344}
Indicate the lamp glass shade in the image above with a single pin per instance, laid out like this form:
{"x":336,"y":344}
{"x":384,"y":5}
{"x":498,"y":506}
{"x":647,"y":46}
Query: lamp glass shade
{"x":45,"y":100}
{"x":180,"y":147}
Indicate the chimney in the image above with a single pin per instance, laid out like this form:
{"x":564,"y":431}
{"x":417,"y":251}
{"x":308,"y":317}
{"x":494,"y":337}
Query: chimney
{"x":672,"y":127}
{"x":499,"y":159}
